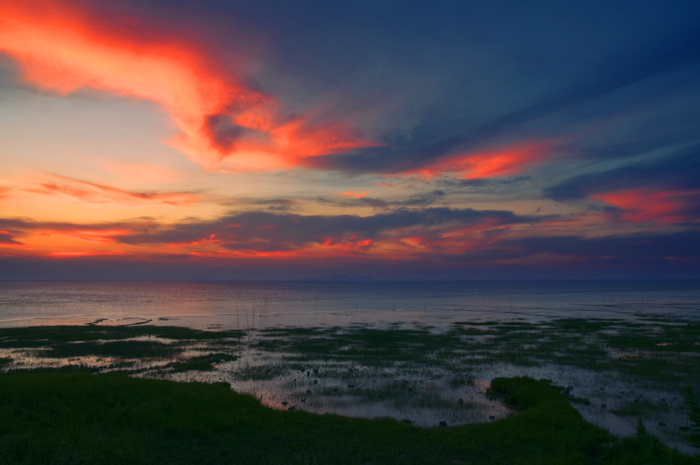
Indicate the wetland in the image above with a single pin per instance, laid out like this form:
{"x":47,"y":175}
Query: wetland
{"x":616,"y":373}
{"x":618,"y":359}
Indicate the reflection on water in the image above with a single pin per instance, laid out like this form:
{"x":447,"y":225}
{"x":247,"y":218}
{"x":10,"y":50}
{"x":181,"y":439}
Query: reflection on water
{"x":303,"y":303}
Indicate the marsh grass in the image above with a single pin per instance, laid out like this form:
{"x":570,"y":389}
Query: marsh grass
{"x":693,"y":409}
{"x":652,"y":353}
{"x":201,"y":362}
{"x":42,"y":335}
{"x":671,"y":354}
{"x":75,"y":417}
{"x":400,"y":395}
{"x":121,"y":349}
{"x":589,"y":344}
{"x":117,"y":347}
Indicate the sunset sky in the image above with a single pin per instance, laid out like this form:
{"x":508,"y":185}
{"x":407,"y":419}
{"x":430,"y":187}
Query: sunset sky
{"x":400,"y":140}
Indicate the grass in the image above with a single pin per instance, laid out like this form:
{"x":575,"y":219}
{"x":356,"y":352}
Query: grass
{"x":671,"y":354}
{"x":202,"y":362}
{"x":121,"y":349}
{"x":651,"y":354}
{"x":121,"y":343}
{"x":34,"y":336}
{"x":75,"y":417}
{"x":693,"y":408}
{"x":400,"y":395}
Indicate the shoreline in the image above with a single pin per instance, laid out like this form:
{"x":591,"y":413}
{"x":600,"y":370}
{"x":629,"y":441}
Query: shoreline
{"x":400,"y":371}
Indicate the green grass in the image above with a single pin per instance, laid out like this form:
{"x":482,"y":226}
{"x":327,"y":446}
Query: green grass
{"x":123,"y":343}
{"x":375,"y":359}
{"x":400,"y":395}
{"x":75,"y":417}
{"x":693,"y":407}
{"x":202,"y":362}
{"x":655,"y":352}
{"x":34,"y":336}
{"x":121,"y":349}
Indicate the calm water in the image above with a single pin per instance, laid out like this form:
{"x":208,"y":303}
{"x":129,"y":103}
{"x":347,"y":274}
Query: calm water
{"x":254,"y":304}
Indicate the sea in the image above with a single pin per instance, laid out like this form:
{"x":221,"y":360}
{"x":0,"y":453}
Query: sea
{"x":254,"y":304}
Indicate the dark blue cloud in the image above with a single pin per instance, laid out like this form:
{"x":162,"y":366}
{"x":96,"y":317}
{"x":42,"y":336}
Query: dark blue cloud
{"x":591,"y":99}
{"x":419,"y":200}
{"x":471,"y":75}
{"x":678,"y":171}
{"x":7,"y":238}
{"x":291,"y":231}
{"x":642,"y":250}
{"x":641,"y":255}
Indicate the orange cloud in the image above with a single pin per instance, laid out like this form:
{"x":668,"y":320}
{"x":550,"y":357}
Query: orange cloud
{"x":64,"y":47}
{"x":84,"y":254}
{"x":402,"y":235}
{"x":642,"y":204}
{"x":97,"y":193}
{"x":97,"y":236}
{"x":354,"y":195}
{"x":507,"y":161}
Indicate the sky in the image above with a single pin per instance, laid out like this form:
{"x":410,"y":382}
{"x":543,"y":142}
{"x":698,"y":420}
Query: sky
{"x":181,"y":139}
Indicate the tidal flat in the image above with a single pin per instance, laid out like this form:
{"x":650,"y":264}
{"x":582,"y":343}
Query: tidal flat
{"x":75,"y":416}
{"x":619,"y":374}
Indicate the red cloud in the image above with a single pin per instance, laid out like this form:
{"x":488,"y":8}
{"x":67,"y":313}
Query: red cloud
{"x":92,"y":235}
{"x":643,"y":204}
{"x":354,"y":195}
{"x":403,"y":235}
{"x":63,"y":46}
{"x":84,"y":254}
{"x":506,"y":161}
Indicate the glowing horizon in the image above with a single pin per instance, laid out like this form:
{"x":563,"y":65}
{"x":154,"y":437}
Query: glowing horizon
{"x":156,"y":134}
